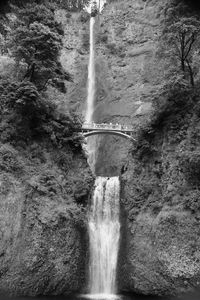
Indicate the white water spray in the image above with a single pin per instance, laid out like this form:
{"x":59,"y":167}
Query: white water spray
{"x":104,"y":225}
{"x":104,"y":233}
{"x":91,"y":66}
{"x":91,"y":76}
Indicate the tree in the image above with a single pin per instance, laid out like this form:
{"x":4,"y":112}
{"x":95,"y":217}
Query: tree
{"x":36,"y":41}
{"x":71,"y":5}
{"x":183,"y":38}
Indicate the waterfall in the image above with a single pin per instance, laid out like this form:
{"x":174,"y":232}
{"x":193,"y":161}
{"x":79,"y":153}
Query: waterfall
{"x":91,"y":142}
{"x":104,"y":233}
{"x":104,"y":226}
{"x":91,"y":76}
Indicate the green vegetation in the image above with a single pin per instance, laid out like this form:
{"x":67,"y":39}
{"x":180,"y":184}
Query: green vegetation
{"x":183,"y":37}
{"x":69,"y":5}
{"x":39,"y":141}
{"x":166,"y":157}
{"x":35,"y":41}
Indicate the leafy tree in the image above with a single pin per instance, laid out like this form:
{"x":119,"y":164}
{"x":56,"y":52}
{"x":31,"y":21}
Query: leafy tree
{"x":71,"y":5}
{"x":26,"y":115}
{"x":183,"y":38}
{"x":36,"y":41}
{"x":40,"y":13}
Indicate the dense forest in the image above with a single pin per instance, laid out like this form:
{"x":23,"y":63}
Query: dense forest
{"x":31,"y":39}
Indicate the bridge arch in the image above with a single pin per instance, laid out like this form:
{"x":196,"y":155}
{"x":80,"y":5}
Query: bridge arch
{"x":111,"y":132}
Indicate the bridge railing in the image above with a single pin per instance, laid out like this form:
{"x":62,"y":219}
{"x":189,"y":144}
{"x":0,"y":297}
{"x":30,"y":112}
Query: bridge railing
{"x":120,"y":127}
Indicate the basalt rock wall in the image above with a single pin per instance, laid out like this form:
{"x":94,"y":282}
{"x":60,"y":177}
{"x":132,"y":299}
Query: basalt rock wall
{"x":128,"y":71}
{"x":160,"y":216}
{"x":159,"y":254}
{"x":43,"y":229}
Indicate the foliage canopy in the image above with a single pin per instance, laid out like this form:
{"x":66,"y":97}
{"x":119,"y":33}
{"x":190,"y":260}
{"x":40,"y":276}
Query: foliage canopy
{"x":35,"y":42}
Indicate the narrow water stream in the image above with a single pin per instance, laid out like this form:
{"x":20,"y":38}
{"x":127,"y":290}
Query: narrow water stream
{"x":91,"y":76}
{"x":103,"y":223}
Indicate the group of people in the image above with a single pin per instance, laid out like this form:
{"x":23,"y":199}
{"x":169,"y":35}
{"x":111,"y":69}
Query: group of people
{"x":107,"y":126}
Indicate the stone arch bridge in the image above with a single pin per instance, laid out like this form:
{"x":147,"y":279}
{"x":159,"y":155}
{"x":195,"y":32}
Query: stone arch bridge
{"x":89,"y":129}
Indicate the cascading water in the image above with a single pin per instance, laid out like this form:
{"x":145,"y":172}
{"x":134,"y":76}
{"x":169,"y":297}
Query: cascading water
{"x":91,"y":76}
{"x":91,"y":65}
{"x":104,"y":232}
{"x":104,"y":226}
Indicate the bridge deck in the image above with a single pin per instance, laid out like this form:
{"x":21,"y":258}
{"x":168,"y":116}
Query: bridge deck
{"x":106,"y":127}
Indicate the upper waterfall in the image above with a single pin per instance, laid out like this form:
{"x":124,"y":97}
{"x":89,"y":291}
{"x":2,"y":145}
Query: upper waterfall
{"x":91,"y":66}
{"x":91,"y":76}
{"x":99,"y":3}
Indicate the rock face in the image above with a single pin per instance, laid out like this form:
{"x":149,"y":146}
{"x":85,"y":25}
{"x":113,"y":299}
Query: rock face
{"x":160,"y":230}
{"x":43,"y":230}
{"x":160,"y":252}
{"x":43,"y":238}
{"x":128,"y":71}
{"x":44,"y":190}
{"x":162,"y":256}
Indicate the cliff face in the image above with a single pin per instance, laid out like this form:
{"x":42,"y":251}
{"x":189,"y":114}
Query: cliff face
{"x":160,"y":196}
{"x":45,"y":186}
{"x":43,"y":226}
{"x":42,"y":223}
{"x":159,"y":200}
{"x":127,"y":69}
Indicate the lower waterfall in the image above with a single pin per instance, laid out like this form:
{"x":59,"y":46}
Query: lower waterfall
{"x":104,"y":233}
{"x":103,"y":223}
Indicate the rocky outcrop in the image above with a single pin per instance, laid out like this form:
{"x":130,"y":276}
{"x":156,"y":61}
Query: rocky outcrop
{"x":160,"y":252}
{"x":162,"y":256}
{"x":160,"y":197}
{"x":42,"y":217}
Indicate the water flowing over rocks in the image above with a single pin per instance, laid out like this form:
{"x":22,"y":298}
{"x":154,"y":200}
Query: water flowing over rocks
{"x":104,"y":234}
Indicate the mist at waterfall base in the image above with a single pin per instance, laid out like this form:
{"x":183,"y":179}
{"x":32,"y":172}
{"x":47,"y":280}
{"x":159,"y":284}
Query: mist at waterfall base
{"x":189,"y":296}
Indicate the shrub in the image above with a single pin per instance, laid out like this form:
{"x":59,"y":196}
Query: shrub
{"x":102,"y":38}
{"x":64,"y":159}
{"x":114,"y":49}
{"x":85,"y":40}
{"x":9,"y":159}
{"x":84,"y":17}
{"x":77,"y":214}
{"x":191,"y":200}
{"x":190,"y":163}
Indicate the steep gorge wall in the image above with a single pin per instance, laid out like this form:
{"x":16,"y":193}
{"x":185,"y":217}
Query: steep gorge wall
{"x":43,"y":230}
{"x":45,"y":185}
{"x":160,"y":239}
{"x":128,"y":71}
